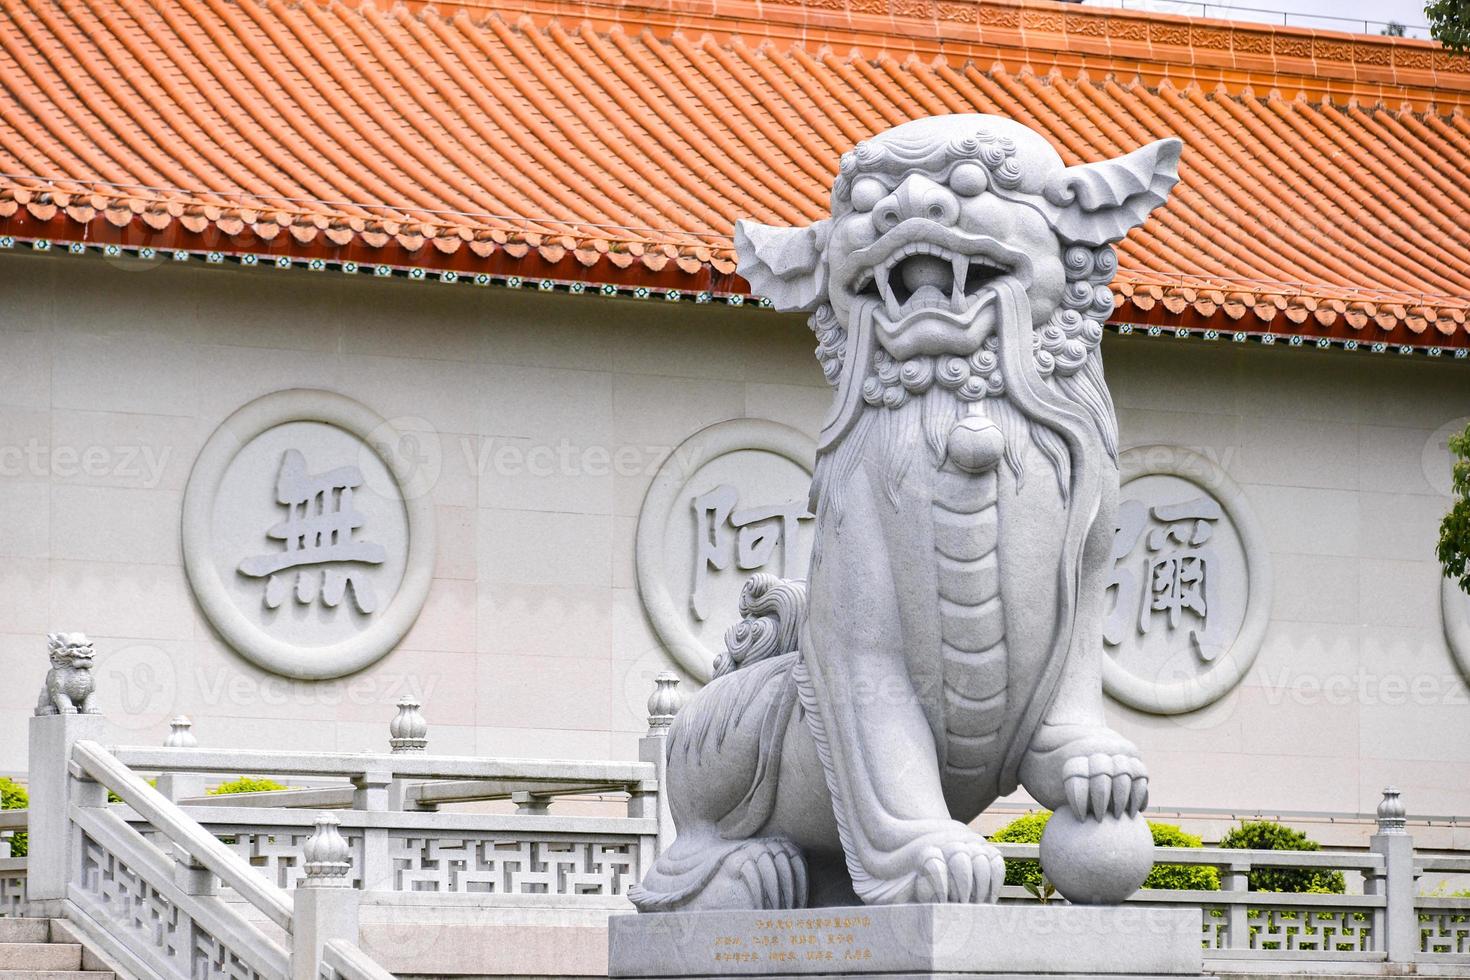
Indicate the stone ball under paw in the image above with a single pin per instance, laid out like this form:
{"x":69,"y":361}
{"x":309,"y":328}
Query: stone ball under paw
{"x":1096,"y":862}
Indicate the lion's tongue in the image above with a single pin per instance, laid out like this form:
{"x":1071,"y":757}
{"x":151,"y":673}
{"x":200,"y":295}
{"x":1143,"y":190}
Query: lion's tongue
{"x":927,"y":295}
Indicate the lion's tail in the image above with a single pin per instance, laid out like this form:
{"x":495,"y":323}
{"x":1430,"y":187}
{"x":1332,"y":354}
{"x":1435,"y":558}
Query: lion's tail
{"x":772,"y":614}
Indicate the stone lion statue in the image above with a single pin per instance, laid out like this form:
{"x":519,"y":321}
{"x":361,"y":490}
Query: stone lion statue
{"x":946,"y":646}
{"x":69,"y":688}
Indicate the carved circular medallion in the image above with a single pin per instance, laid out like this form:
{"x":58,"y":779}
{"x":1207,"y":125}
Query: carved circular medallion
{"x":728,"y":502}
{"x":308,"y":545}
{"x":1189,"y":584}
{"x":1455,"y":609}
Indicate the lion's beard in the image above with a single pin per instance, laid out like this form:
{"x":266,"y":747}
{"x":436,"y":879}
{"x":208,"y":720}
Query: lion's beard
{"x":910,"y":441}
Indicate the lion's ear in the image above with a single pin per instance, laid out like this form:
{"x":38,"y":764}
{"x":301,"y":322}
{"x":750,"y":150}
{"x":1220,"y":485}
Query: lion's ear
{"x":1099,"y":202}
{"x":788,"y":266}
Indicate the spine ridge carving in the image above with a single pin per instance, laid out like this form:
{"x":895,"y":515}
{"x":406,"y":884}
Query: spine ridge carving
{"x":971,"y":618}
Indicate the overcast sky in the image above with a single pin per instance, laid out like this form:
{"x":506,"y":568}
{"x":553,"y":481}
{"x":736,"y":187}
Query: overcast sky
{"x":1302,"y":13}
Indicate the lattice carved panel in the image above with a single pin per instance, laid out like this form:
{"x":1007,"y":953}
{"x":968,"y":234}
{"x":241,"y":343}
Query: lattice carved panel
{"x":12,"y":895}
{"x":276,"y":852}
{"x":134,"y":906}
{"x":1330,"y":930}
{"x":1215,"y":928}
{"x":508,"y":866}
{"x":1444,"y":931}
{"x":212,"y":959}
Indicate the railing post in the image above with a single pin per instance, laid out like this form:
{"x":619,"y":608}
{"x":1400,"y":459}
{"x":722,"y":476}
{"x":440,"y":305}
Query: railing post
{"x":529,"y":803}
{"x":1236,"y":880}
{"x":181,"y":734}
{"x":192,"y":878}
{"x":408,"y":731}
{"x":180,"y":785}
{"x":326,"y":904}
{"x":1399,"y":937}
{"x":373,"y":792}
{"x":663,"y":705}
{"x":59,"y":722}
{"x":408,"y":734}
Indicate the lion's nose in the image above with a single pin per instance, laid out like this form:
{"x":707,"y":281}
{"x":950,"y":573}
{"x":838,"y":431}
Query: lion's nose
{"x":917,"y":197}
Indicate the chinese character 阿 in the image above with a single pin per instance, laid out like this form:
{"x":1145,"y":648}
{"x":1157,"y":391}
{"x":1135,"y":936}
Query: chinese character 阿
{"x":1174,"y":578}
{"x":758,"y":530}
{"x":317,"y":531}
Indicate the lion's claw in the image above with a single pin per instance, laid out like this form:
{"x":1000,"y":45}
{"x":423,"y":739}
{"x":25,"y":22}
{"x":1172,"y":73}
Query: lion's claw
{"x":774,"y":873}
{"x":1099,"y":784}
{"x":965,"y":870}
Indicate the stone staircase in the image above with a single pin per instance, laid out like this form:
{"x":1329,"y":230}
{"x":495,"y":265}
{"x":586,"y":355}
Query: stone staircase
{"x":37,"y":949}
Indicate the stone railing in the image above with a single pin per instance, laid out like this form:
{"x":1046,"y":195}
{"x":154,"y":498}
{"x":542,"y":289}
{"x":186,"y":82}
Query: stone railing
{"x":12,"y":869}
{"x":155,"y":894}
{"x":400,"y":841}
{"x":1443,"y":924}
{"x":1381,"y":919}
{"x":260,"y":883}
{"x":344,"y":961}
{"x":1256,"y":926}
{"x":225,"y":885}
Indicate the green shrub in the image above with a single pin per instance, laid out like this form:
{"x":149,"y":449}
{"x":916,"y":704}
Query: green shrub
{"x":13,"y":796}
{"x":1190,"y":877}
{"x":1267,"y":835}
{"x":246,"y":784}
{"x":1024,"y":829}
{"x":1027,"y":830}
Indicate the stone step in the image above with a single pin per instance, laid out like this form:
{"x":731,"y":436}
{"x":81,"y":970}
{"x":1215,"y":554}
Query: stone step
{"x":40,"y":956}
{"x":57,"y":975}
{"x":24,"y":930}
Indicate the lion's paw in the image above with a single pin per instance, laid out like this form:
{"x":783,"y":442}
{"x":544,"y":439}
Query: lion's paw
{"x":958,"y":868}
{"x":774,"y":872}
{"x":1096,"y":771}
{"x":1101,"y":783}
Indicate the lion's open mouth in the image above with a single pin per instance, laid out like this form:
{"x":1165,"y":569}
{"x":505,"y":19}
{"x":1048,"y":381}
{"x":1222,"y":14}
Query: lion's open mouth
{"x":928,"y":277}
{"x":925,"y":269}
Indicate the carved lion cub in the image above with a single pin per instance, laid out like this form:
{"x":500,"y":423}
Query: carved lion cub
{"x":69,"y":687}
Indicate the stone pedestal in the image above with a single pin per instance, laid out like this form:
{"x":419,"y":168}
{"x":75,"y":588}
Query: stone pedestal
{"x":53,"y":846}
{"x":910,"y":941}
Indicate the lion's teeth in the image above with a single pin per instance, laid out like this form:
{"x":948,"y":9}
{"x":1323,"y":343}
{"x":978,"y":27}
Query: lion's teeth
{"x":881,"y":274}
{"x":960,"y":268}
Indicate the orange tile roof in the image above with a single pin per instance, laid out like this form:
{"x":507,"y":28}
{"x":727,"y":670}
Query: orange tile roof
{"x":1324,"y":184}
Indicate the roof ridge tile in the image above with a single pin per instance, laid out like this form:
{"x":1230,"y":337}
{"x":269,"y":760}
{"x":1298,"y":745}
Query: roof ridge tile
{"x":626,"y":117}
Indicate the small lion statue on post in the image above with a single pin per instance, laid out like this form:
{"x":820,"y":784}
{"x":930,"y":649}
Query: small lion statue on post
{"x":946,"y":646}
{"x":69,"y":688}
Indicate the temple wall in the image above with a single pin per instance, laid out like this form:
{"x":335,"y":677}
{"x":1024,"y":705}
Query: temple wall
{"x":553,"y":413}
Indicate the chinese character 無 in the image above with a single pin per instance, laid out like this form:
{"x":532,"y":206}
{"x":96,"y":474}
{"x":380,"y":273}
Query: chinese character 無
{"x":317,"y":531}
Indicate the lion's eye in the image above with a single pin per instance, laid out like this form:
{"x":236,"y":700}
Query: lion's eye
{"x":968,"y":179}
{"x":866,"y":192}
